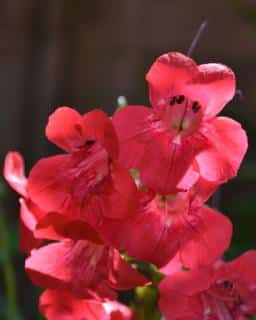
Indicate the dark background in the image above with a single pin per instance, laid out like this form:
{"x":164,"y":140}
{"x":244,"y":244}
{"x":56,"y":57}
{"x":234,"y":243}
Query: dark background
{"x":85,"y":54}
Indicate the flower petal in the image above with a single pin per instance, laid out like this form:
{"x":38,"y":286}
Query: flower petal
{"x":152,"y":230}
{"x":229,"y":143}
{"x":168,"y":75}
{"x":46,"y":184}
{"x":212,"y":237}
{"x":62,"y":129}
{"x":14,"y":172}
{"x":96,"y":126}
{"x":61,"y":305}
{"x":123,"y":275}
{"x":79,"y":267}
{"x":71,"y":131}
{"x":165,"y":163}
{"x":55,"y":226}
{"x":179,"y":294}
{"x":28,"y":223}
{"x":132,"y":125}
{"x":245,"y":265}
{"x":214,"y":86}
{"x":120,"y":197}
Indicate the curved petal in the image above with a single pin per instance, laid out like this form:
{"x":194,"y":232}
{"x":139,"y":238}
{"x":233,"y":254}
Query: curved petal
{"x":46,"y":184}
{"x":179,"y":294}
{"x":68,"y":184}
{"x":214,"y":86}
{"x":123,"y":276}
{"x":14,"y":172}
{"x":79,"y":267}
{"x":165,"y":163}
{"x":71,"y":131}
{"x":61,"y":305}
{"x":55,"y":226}
{"x":120,"y":198}
{"x":96,"y":126}
{"x":62,"y":129}
{"x":202,"y":190}
{"x":133,"y":126}
{"x":212,"y":237}
{"x":150,"y":235}
{"x":245,"y":266}
{"x":152,"y":230}
{"x":168,"y":75}
{"x":229,"y":143}
{"x":28,"y":224}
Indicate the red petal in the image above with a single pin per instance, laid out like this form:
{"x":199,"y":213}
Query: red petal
{"x":168,"y":75}
{"x":27,"y":227}
{"x":120,"y":198}
{"x":228,"y":146}
{"x":54,"y":186}
{"x":212,"y":237}
{"x":79,"y":267}
{"x":14,"y":172}
{"x":96,"y":126}
{"x":62,"y":129}
{"x":46,"y":185}
{"x":165,"y":163}
{"x":202,"y":190}
{"x":56,"y":226}
{"x":214,"y":86}
{"x":61,"y":305}
{"x":189,"y":282}
{"x":132,"y":126}
{"x":123,"y":275}
{"x":179,"y":294}
{"x":152,"y":231}
{"x":70,"y":131}
{"x":245,"y":266}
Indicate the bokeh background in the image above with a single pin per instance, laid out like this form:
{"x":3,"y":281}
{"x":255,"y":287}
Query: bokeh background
{"x":85,"y":53}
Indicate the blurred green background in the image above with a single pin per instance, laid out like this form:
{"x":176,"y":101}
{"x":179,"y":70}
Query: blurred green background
{"x":86,"y":53}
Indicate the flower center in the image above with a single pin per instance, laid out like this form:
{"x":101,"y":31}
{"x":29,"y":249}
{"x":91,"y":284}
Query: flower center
{"x":222,"y":300}
{"x":88,"y":169}
{"x":182,"y":117}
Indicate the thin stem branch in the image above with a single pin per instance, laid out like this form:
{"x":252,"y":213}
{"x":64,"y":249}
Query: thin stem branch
{"x":197,"y":37}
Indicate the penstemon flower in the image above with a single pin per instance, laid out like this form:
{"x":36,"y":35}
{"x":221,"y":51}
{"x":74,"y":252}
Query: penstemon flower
{"x":130,"y":192}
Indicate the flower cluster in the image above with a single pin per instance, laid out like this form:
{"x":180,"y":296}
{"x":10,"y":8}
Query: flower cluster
{"x":137,"y":182}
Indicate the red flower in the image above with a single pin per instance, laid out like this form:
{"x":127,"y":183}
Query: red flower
{"x":87,"y":184}
{"x":36,"y":224}
{"x":163,"y":142}
{"x":83,"y":268}
{"x":61,"y":305}
{"x":165,"y":225}
{"x":226,"y":291}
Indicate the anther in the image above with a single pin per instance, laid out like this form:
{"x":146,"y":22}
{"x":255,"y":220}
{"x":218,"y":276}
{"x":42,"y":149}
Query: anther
{"x":172,"y":101}
{"x":196,"y":107}
{"x":89,"y":143}
{"x":180,"y":99}
{"x":227,"y":284}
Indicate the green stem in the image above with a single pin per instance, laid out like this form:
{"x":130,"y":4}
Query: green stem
{"x":8,"y":271}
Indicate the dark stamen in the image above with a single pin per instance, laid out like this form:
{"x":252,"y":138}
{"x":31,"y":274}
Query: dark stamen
{"x":88,"y":143}
{"x":196,"y":107}
{"x":172,"y":101}
{"x":180,"y":99}
{"x":227,"y":284}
